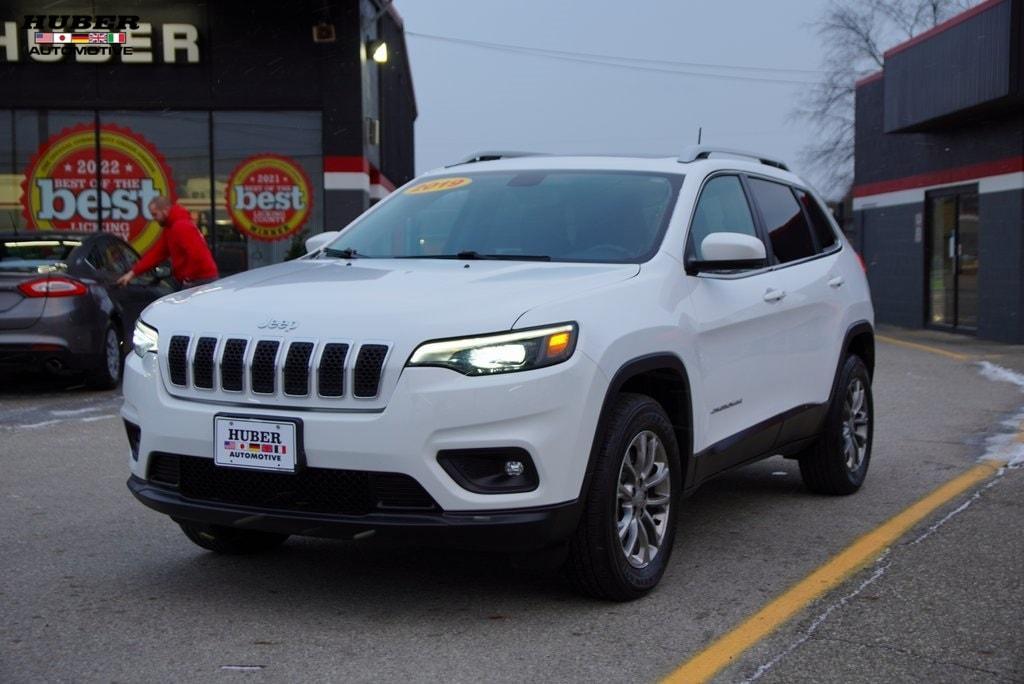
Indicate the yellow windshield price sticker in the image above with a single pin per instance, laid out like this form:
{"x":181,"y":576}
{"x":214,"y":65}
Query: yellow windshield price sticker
{"x":438,"y":185}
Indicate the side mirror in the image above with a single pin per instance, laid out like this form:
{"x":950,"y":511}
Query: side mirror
{"x":728,"y":251}
{"x":320,"y":239}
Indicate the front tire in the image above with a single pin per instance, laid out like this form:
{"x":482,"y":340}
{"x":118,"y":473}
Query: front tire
{"x":229,"y":540}
{"x":624,"y":540}
{"x":838,"y":462}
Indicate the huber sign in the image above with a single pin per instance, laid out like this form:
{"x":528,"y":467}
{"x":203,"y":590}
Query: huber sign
{"x":268,"y":197}
{"x":67,"y":188}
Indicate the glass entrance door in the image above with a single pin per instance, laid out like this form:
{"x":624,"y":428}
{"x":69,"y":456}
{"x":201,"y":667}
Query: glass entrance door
{"x":953,"y":258}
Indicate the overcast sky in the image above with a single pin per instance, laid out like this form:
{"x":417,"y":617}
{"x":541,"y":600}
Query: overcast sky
{"x":472,"y":98}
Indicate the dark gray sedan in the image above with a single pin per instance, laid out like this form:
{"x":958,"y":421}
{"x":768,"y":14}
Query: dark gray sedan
{"x":59,"y":308}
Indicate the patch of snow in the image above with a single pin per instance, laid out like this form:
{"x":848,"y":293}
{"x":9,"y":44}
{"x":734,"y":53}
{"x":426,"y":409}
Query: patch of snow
{"x":1000,"y":374}
{"x":75,"y":412}
{"x":1005,"y":448}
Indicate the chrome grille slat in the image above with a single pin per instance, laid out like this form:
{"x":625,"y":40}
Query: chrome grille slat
{"x":263,"y":367}
{"x":296,"y":369}
{"x":331,"y":373}
{"x":232,"y":365}
{"x":177,"y":359}
{"x":202,"y":362}
{"x":369,"y":363}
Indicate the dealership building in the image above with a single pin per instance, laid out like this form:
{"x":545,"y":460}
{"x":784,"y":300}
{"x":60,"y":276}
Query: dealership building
{"x":939,"y":176}
{"x":268,"y":121}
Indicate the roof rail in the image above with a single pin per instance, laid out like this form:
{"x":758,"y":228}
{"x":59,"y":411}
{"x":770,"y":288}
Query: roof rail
{"x":492,"y":156}
{"x":704,"y":151}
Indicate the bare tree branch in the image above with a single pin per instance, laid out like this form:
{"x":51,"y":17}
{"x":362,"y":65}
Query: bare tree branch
{"x":854,"y":36}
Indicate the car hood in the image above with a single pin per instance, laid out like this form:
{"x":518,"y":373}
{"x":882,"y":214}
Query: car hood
{"x":400,"y":301}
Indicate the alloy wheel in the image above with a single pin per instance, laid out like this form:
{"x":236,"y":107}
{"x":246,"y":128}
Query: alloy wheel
{"x":855,"y":424}
{"x":644,"y":498}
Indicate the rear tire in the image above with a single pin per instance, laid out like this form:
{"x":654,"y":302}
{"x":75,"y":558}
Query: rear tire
{"x":838,"y":462}
{"x":624,"y":540}
{"x":109,"y":364}
{"x":229,"y":540}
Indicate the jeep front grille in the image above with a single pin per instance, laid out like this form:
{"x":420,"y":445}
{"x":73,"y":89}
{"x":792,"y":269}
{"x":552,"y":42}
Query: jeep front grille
{"x":268,"y":368}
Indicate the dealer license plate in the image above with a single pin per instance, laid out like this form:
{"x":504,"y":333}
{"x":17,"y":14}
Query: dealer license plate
{"x":255,"y":444}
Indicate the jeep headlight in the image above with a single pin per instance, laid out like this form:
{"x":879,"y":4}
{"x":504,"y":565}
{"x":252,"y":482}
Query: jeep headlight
{"x":501,"y":352}
{"x":145,"y":339}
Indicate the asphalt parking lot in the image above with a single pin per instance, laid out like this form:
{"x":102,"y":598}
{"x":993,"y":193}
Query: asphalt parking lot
{"x":98,"y":588}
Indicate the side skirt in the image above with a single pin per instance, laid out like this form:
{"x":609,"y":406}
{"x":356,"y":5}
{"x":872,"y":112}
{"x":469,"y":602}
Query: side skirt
{"x":785,"y":434}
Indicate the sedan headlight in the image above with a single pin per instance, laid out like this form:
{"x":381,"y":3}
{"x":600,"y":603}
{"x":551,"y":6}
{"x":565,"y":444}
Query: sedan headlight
{"x":502,"y":352}
{"x":145,"y":339}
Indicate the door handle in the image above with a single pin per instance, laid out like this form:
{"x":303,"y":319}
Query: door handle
{"x":774,"y":295}
{"x":836,"y":282}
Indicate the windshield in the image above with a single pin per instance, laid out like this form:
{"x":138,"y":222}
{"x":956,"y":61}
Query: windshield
{"x":596,"y":216}
{"x":26,"y":254}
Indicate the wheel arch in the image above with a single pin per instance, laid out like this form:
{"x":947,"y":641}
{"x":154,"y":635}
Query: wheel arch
{"x":663,"y":377}
{"x":860,"y":341}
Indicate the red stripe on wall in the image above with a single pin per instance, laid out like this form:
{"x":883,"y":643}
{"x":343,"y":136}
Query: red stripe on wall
{"x":948,"y":24}
{"x":351,"y":164}
{"x":961,"y":173}
{"x":378,"y":178}
{"x":343,"y":163}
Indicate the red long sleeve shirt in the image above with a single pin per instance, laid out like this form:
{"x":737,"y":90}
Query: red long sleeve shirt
{"x":186,"y":247}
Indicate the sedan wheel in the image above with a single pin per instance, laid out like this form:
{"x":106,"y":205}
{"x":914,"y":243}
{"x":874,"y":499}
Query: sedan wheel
{"x":106,"y":372}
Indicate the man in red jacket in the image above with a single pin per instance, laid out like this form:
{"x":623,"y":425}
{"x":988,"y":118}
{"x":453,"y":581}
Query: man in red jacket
{"x":191,"y":261}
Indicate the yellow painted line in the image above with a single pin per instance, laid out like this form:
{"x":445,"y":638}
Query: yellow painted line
{"x":730,"y":646}
{"x":923,"y":347}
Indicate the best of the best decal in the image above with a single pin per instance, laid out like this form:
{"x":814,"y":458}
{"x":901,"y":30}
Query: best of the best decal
{"x":67,"y":188}
{"x":268,"y":197}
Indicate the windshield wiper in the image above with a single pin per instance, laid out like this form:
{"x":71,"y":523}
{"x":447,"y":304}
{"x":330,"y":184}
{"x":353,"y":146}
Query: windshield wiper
{"x":472,"y":254}
{"x":347,"y":253}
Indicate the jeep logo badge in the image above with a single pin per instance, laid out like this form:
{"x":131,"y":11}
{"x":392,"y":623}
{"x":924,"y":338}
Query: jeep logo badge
{"x":278,"y":324}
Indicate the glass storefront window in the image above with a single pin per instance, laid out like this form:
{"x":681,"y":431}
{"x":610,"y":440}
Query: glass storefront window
{"x":57,"y":149}
{"x":10,"y":179}
{"x":268,"y":168}
{"x":256,"y":200}
{"x":154,"y":152}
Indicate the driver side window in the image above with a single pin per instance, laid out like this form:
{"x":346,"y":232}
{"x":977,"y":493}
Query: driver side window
{"x":721,"y":208}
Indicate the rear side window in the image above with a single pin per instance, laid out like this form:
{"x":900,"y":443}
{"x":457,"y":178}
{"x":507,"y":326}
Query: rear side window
{"x":787,"y":228}
{"x":819,"y":222}
{"x":722,"y":208}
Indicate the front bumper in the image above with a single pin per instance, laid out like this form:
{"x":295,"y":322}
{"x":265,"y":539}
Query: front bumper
{"x":550,"y":412}
{"x":499,"y":530}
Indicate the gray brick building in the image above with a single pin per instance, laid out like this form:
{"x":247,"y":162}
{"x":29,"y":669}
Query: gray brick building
{"x":939,"y":176}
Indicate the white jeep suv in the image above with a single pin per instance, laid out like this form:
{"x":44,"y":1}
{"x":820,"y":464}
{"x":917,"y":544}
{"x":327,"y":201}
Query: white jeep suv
{"x":521,"y":352}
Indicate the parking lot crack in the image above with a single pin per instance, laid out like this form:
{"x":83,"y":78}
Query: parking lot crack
{"x":881,"y":566}
{"x":912,"y":654}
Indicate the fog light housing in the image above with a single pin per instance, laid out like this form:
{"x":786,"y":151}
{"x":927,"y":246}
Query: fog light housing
{"x":134,"y":433}
{"x":501,"y":470}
